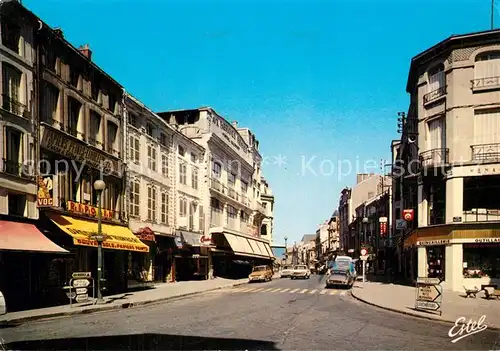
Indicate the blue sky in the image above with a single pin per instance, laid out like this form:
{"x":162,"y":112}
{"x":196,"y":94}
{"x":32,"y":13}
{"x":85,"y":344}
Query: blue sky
{"x":321,"y":79}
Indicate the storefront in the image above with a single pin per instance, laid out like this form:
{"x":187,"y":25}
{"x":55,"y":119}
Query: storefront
{"x":140,"y":265}
{"x":461,"y":255}
{"x":192,"y":257}
{"x":234,"y":254}
{"x":25,"y":257}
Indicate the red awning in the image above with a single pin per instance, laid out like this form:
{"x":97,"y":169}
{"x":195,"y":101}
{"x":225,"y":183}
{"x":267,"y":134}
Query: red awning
{"x":15,"y":236}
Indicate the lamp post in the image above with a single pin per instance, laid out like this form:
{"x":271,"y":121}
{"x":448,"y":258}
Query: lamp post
{"x":286,"y":251}
{"x":99,"y":186}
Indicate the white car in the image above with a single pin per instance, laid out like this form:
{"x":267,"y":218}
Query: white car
{"x":301,"y":271}
{"x":286,"y":271}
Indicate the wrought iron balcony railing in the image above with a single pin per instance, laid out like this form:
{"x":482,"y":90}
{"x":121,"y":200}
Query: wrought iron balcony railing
{"x":486,"y":152}
{"x":16,"y":168}
{"x":14,"y":106}
{"x":485,"y":83}
{"x":435,"y":94}
{"x":434,"y":157}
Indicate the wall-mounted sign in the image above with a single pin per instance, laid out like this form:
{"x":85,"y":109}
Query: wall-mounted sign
{"x":78,"y":150}
{"x":91,"y":211}
{"x":45,"y":194}
{"x":383,"y":229}
{"x":400,"y":224}
{"x":408,"y":215}
{"x":382,"y":219}
{"x":206,"y":239}
{"x":146,"y":234}
{"x":433,"y":242}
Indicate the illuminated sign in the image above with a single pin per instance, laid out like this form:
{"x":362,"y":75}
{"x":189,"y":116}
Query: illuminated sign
{"x":45,"y":194}
{"x":91,"y":211}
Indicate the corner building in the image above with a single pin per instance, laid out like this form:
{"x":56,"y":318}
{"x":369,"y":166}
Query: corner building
{"x":455,"y":87}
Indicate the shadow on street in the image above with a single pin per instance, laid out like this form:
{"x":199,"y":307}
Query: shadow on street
{"x":143,"y":342}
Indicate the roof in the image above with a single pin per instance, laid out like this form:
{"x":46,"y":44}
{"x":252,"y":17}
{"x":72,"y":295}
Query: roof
{"x":308,"y":237}
{"x":450,"y":43}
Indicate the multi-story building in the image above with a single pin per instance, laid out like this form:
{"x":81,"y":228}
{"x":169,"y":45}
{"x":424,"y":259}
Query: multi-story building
{"x":150,"y":189}
{"x":267,"y":200}
{"x":321,"y":240}
{"x":454,"y":89}
{"x":231,"y":180}
{"x":18,"y":117}
{"x":345,"y":216}
{"x":333,"y":244}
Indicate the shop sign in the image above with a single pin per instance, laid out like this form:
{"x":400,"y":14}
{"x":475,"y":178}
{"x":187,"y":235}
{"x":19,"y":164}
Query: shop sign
{"x":487,"y":240}
{"x":408,"y":215}
{"x":87,"y":210}
{"x":178,"y":241}
{"x":382,"y":219}
{"x":383,"y":229}
{"x":79,"y":151}
{"x":206,"y":239}
{"x":45,"y":194}
{"x":434,"y":242}
{"x":145,"y":234}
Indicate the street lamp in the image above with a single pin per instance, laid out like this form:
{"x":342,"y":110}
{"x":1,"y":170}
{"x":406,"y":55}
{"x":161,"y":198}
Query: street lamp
{"x":99,"y":186}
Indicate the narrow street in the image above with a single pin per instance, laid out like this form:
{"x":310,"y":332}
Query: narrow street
{"x":283,"y":314}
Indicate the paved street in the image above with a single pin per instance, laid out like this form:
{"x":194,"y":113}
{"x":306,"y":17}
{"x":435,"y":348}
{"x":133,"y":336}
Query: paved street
{"x":283,"y":314}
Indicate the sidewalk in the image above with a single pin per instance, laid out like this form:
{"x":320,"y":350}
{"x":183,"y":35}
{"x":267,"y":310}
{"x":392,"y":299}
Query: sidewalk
{"x":159,"y":292}
{"x":400,"y":298}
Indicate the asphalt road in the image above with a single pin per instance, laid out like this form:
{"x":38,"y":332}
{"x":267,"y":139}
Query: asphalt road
{"x":283,"y":314}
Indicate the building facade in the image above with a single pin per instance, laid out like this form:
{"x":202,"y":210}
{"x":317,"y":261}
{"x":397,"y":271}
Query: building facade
{"x":454,"y":88}
{"x":231,"y":189}
{"x":267,"y":200}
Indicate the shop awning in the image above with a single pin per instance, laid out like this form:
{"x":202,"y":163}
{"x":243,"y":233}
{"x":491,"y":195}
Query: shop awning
{"x":116,"y":237}
{"x":245,"y":246}
{"x":16,"y":236}
{"x":190,"y":238}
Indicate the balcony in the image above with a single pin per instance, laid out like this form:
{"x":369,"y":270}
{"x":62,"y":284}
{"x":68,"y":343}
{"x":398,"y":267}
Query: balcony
{"x":434,"y":95}
{"x":485,"y":152}
{"x":216,"y":219}
{"x":217,"y":186}
{"x":485,"y":83}
{"x":14,"y":106}
{"x":16,"y":169}
{"x":481,"y":215}
{"x":233,"y":194}
{"x":434,"y":157}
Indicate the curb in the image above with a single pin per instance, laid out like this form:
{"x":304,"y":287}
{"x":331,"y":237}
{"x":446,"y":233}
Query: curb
{"x":21,"y":320}
{"x":411,"y":314}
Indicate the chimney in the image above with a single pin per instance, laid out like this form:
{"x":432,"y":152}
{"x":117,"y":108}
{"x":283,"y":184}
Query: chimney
{"x":59,"y":32}
{"x":235,"y":124}
{"x":85,"y":50}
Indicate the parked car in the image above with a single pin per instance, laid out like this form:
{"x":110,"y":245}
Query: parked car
{"x":301,"y":271}
{"x":342,"y":273}
{"x":286,"y":271}
{"x":261,"y":273}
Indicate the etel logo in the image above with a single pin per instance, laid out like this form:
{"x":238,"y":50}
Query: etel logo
{"x":460,"y":327}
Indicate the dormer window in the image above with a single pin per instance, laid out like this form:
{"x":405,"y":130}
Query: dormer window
{"x":149,"y":129}
{"x":11,"y":34}
{"x":74,"y":77}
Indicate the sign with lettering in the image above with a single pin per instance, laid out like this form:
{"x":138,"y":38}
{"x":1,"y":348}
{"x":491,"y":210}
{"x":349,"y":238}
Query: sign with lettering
{"x":146,"y":234}
{"x":408,"y":215}
{"x":81,"y":275}
{"x":433,"y":242}
{"x":429,"y":294}
{"x":45,"y":194}
{"x":78,"y":150}
{"x":87,"y":210}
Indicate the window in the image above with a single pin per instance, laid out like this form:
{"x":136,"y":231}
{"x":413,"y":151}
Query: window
{"x":112,"y":132}
{"x":244,"y":187}
{"x":94,"y":128}
{"x":17,"y":204}
{"x":132,"y":120}
{"x":436,"y":78}
{"x":74,"y":77}
{"x":192,"y":211}
{"x":74,"y":108}
{"x":181,"y":151}
{"x":486,"y":126}
{"x":164,"y":208}
{"x":201,"y":219}
{"x":14,"y":151}
{"x":112,"y":103}
{"x":11,"y":89}
{"x":194,"y":178}
{"x":95,"y":91}
{"x":487,"y":65}
{"x":50,"y":103}
{"x":244,"y":217}
{"x":134,"y":145}
{"x":182,"y":207}
{"x":437,"y":133}
{"x":163,"y":139}
{"x":164,"y":165}
{"x":193,"y":157}
{"x":149,"y":129}
{"x":151,"y":203}
{"x":216,"y":170}
{"x":481,"y":260}
{"x":231,"y":179}
{"x":134,"y":198}
{"x":11,"y":34}
{"x":182,"y":173}
{"x":110,"y":196}
{"x":436,"y":262}
{"x":152,"y":157}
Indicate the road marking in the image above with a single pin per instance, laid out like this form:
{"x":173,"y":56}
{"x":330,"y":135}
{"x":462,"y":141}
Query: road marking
{"x":244,"y":289}
{"x":303,"y":291}
{"x":343,"y":293}
{"x":276,"y":290}
{"x":285,"y":290}
{"x":333,"y":292}
{"x":258,"y":289}
{"x":322,"y":292}
{"x":294,"y":291}
{"x":267,"y":290}
{"x":313,"y":291}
